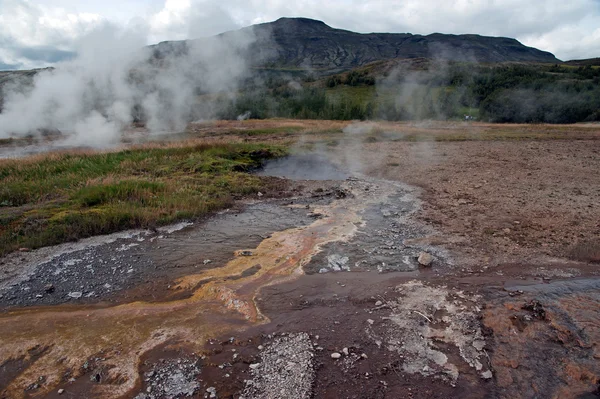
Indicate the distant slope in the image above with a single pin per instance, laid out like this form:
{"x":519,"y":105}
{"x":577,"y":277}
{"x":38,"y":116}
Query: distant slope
{"x":585,"y":62}
{"x":16,"y":80}
{"x":306,"y":43}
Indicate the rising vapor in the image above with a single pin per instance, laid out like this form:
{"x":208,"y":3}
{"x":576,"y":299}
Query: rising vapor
{"x":116,"y":80}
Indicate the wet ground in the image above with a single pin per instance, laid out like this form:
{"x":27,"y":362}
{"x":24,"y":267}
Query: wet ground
{"x":129,"y":266}
{"x":337,"y":292}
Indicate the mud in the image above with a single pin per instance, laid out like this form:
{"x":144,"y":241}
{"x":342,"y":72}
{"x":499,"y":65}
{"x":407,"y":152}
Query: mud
{"x":320,"y":295}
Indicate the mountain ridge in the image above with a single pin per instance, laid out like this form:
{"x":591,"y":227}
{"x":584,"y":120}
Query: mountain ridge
{"x":312,"y":44}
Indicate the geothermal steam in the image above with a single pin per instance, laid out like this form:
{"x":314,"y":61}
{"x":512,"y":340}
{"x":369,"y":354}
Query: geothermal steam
{"x":116,"y":79}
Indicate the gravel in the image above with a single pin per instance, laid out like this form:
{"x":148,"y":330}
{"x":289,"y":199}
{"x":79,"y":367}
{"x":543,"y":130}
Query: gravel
{"x":286,"y":369}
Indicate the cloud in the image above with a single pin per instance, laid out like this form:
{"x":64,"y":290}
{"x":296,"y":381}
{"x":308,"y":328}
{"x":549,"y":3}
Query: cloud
{"x":40,"y":35}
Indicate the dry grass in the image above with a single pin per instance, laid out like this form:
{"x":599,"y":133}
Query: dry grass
{"x":587,"y":251}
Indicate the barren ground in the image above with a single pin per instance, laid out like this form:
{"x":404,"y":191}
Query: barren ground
{"x":317,"y":291}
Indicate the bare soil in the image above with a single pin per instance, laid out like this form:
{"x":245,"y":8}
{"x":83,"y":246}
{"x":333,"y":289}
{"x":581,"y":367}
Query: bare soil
{"x":501,"y":201}
{"x":337,"y":305}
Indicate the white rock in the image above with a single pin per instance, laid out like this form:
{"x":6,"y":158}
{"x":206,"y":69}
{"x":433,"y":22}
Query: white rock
{"x":61,"y":391}
{"x":335,"y":355}
{"x":75,"y":294}
{"x":378,"y":303}
{"x":487,"y":374}
{"x":370,"y":321}
{"x":345,"y":351}
{"x":254,"y":366}
{"x":425,"y":259}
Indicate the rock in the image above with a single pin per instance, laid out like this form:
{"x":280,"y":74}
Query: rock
{"x":260,"y":347}
{"x":338,"y":262}
{"x":49,"y":288}
{"x":335,"y":355}
{"x":345,"y":351}
{"x":425,"y":259}
{"x":24,"y":249}
{"x":487,"y":374}
{"x":378,"y":303}
{"x":212,"y":391}
{"x":479,"y":344}
{"x":370,"y":321}
{"x":61,"y":391}
{"x":207,"y":261}
{"x":260,"y":194}
{"x":244,"y":252}
{"x":75,"y":294}
{"x":254,"y":366}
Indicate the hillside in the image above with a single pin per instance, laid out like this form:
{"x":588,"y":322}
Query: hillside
{"x":584,"y":62}
{"x":305,"y":43}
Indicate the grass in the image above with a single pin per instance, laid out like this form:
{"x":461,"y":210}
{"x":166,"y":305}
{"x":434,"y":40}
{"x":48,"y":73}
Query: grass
{"x":54,"y":198}
{"x":587,"y":251}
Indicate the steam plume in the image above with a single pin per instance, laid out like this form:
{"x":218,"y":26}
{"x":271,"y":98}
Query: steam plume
{"x":116,"y":80}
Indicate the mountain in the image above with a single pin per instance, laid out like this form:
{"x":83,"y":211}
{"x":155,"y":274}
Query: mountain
{"x":310,"y":44}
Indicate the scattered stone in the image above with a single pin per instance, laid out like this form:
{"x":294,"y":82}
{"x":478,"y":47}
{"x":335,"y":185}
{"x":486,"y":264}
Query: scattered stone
{"x":536,"y":308}
{"x":172,"y":378}
{"x":286,"y":369}
{"x":61,"y":391}
{"x":212,"y":391}
{"x":425,"y":259}
{"x":335,"y":355}
{"x":338,"y":262}
{"x":75,"y":294}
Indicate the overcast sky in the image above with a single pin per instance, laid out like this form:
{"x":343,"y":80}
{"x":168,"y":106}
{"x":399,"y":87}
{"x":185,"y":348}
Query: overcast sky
{"x":43,"y":32}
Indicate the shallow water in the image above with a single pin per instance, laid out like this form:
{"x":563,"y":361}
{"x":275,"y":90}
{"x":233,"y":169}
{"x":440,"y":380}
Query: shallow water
{"x":303,"y":167}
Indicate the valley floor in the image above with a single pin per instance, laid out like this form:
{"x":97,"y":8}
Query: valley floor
{"x":321,"y":287}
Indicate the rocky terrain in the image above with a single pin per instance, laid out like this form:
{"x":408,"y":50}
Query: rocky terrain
{"x":310,"y":44}
{"x":355,"y":284}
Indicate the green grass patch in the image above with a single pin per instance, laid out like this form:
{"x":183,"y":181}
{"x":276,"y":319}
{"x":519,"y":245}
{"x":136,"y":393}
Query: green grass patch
{"x":272,"y":130}
{"x":61,"y":197}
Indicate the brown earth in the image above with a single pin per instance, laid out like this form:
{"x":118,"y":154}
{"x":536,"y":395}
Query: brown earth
{"x":509,"y":308}
{"x":502,"y":201}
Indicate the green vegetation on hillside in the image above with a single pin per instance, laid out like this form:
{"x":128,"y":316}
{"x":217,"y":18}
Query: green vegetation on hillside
{"x":56,"y":198}
{"x":496,"y":93}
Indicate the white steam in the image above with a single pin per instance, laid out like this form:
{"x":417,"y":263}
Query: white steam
{"x":115,"y":80}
